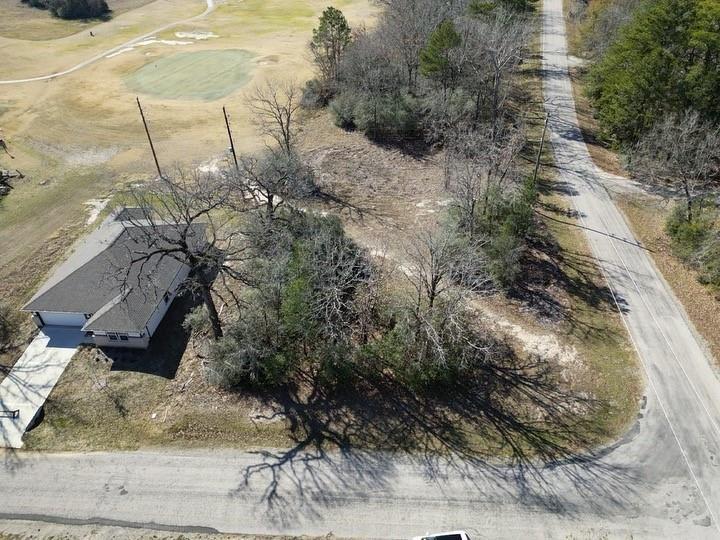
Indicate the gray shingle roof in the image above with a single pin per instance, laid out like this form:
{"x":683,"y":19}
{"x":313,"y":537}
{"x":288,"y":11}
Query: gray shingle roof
{"x":100,"y":278}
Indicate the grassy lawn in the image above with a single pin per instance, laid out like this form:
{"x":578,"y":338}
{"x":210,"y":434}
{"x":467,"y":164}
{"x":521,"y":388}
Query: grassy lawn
{"x":204,"y":75}
{"x":19,"y":21}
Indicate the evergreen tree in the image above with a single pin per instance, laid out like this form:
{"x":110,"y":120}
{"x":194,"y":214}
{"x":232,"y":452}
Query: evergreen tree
{"x":667,"y":60}
{"x":330,"y":39}
{"x":436,"y":58}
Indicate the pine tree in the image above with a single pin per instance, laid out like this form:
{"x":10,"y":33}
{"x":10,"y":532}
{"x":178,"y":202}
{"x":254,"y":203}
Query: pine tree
{"x":435,"y":59}
{"x":330,"y":39}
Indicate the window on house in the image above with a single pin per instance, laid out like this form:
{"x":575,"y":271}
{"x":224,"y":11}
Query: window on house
{"x":123,"y":337}
{"x":113,"y":336}
{"x":166,"y":296}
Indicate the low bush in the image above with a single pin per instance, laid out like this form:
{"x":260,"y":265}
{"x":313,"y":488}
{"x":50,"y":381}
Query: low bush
{"x":343,"y":109}
{"x":387,"y":117}
{"x":709,"y":261}
{"x":506,"y":225}
{"x":316,"y":95}
{"x":9,"y":325}
{"x":688,"y":237}
{"x":378,"y":117}
{"x":433,"y":352}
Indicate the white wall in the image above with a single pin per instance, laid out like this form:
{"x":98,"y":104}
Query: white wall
{"x":131,"y":343}
{"x":162,"y":308}
{"x":62,"y":319}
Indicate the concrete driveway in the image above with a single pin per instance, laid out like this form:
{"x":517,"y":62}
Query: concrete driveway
{"x":25,"y":389}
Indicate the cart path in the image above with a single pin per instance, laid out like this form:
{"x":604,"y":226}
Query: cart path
{"x":210,"y":7}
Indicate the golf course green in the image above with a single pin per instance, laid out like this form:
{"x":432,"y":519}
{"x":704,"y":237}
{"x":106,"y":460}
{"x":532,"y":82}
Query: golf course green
{"x":201,"y":75}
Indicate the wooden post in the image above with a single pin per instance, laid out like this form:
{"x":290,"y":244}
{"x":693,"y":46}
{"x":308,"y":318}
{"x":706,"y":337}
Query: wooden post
{"x":147,"y":132}
{"x":232,"y":144}
{"x":542,"y":143}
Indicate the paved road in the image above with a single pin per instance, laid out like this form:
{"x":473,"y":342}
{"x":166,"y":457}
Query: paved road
{"x":210,"y":7}
{"x":661,"y":481}
{"x":32,"y":378}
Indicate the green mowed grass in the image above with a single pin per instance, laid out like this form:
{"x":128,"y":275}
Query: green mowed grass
{"x":199,"y":75}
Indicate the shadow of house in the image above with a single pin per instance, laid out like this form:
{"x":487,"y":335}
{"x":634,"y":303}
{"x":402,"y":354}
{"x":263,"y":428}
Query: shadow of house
{"x":162,"y":358}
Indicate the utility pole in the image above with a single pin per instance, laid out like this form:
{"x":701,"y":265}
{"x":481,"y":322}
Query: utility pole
{"x":542,"y":143}
{"x":147,"y":131}
{"x":232,"y":144}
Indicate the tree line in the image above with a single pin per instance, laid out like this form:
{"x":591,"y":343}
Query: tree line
{"x":72,"y":9}
{"x":443,"y":75}
{"x":654,"y":82}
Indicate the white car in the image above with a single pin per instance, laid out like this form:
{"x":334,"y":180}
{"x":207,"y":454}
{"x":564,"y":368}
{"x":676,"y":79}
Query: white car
{"x":453,"y":535}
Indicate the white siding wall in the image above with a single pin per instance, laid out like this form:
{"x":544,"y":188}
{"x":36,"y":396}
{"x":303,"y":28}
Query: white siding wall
{"x":62,"y":319}
{"x":131,"y":343}
{"x":161,"y":310}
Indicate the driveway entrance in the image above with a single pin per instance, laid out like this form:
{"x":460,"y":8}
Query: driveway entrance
{"x":25,"y":389}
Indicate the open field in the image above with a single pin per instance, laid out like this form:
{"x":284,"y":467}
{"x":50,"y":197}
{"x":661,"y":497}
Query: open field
{"x":19,"y":21}
{"x":80,"y":137}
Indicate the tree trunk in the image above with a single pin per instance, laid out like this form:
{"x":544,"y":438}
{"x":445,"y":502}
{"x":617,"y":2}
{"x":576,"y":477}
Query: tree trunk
{"x":688,"y":198}
{"x":212,"y":311}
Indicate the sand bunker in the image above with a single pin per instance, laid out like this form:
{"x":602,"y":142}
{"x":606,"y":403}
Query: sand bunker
{"x":200,"y":36}
{"x":204,"y":75}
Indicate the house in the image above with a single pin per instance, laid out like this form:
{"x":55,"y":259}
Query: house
{"x":105,"y":291}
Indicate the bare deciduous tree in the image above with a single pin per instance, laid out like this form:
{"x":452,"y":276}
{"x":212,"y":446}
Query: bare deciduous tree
{"x":681,"y":152}
{"x":407,"y":24}
{"x":439,"y":261}
{"x":183,"y":219}
{"x":274,"y":106}
{"x":442,"y":267}
{"x":481,"y":167}
{"x":494,"y":47}
{"x":269,"y":181}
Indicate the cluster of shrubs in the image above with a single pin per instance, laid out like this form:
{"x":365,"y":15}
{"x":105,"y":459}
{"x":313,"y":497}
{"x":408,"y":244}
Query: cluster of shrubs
{"x":72,"y":9}
{"x":697,"y":242}
{"x":317,"y":304}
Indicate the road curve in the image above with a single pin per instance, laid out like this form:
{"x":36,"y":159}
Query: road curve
{"x":210,"y":7}
{"x":662,"y":480}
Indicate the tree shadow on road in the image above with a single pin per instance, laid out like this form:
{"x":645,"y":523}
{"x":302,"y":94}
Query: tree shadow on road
{"x":510,"y":429}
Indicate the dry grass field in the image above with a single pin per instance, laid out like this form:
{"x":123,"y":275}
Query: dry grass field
{"x":79,"y":137}
{"x":19,"y":21}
